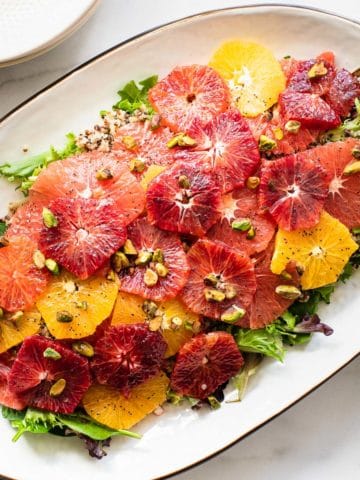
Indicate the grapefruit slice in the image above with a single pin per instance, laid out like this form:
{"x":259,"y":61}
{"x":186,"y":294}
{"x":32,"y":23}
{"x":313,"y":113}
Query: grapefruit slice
{"x":137,"y":141}
{"x":204,"y":363}
{"x":184,"y":199}
{"x":343,"y":200}
{"x":15,"y":328}
{"x":221,"y":279}
{"x":293,"y":189}
{"x":226,"y":143}
{"x":87,"y":234}
{"x":132,"y":309}
{"x":45,"y":382}
{"x":267,"y":304}
{"x":322,"y":251}
{"x":147,"y":239}
{"x":108,"y":406}
{"x":20,"y":281}
{"x":78,"y":177}
{"x":253,"y":74}
{"x":73,"y":308}
{"x":237,"y":206}
{"x":189,"y":92}
{"x":309,"y":109}
{"x":26,"y":222}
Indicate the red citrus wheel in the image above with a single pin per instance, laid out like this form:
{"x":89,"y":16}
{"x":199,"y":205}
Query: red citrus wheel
{"x":189,"y":92}
{"x":26,"y":222}
{"x":83,"y":176}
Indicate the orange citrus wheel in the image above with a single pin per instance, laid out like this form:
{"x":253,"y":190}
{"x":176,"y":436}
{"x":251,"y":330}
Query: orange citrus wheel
{"x":108,"y":406}
{"x":73,"y":308}
{"x":129,"y":309}
{"x":152,"y":172}
{"x":322,"y":251}
{"x":253,"y":74}
{"x":15,"y":328}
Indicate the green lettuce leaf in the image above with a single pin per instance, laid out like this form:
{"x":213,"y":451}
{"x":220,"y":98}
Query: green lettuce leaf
{"x":261,"y":341}
{"x":134,"y":96}
{"x":349,"y":128}
{"x":241,"y":380}
{"x":3,"y":227}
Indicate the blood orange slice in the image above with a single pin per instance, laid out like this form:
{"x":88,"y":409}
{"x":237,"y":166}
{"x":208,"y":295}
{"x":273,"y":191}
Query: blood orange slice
{"x":87,"y":234}
{"x":26,"y":222}
{"x":189,"y":92}
{"x":293,"y":189}
{"x":267,"y":304}
{"x":20,"y":281}
{"x":221,"y":279}
{"x":83,"y":176}
{"x":127,"y":355}
{"x":15,"y":328}
{"x":7,"y":398}
{"x":241,"y":206}
{"x":343,"y":90}
{"x":343,"y":200}
{"x":73,"y":308}
{"x":108,"y":406}
{"x":204,"y":363}
{"x":141,"y":146}
{"x":309,"y":109}
{"x":227,"y":144}
{"x":47,"y":375}
{"x":144,"y":276}
{"x":185,"y":199}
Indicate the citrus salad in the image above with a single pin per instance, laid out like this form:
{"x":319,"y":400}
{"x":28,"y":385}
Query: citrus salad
{"x":163,"y":253}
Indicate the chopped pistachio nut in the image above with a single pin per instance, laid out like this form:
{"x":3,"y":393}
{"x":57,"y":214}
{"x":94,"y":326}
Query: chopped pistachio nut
{"x":144,"y":257}
{"x":211,"y":280}
{"x":119,"y":261}
{"x":63,"y":316}
{"x":214,"y":402}
{"x":230,"y":292}
{"x":317,"y":70}
{"x":286,"y":275}
{"x":233,"y":314}
{"x":81,"y":305}
{"x":183,"y":181}
{"x":356,"y":153}
{"x":150,"y":277}
{"x":251,"y":233}
{"x":288,"y":291}
{"x":161,"y":270}
{"x":181,"y":140}
{"x":104,"y":174}
{"x":83,"y":348}
{"x":1,"y":312}
{"x":278,"y":133}
{"x":51,"y":353}
{"x":352,"y":168}
{"x":129,"y":248}
{"x":355,"y":231}
{"x":155,"y":323}
{"x":137,"y":165}
{"x":252,"y":182}
{"x":17,"y":315}
{"x":70,"y":286}
{"x":266,"y":144}
{"x":39,"y":259}
{"x":150,"y":308}
{"x":243,"y":224}
{"x":158,"y":256}
{"x":292,"y":126}
{"x":173,"y":397}
{"x":212,"y":295}
{"x":49,"y":219}
{"x":176,"y":322}
{"x":58,"y":388}
{"x":52,"y":266}
{"x":129,"y":142}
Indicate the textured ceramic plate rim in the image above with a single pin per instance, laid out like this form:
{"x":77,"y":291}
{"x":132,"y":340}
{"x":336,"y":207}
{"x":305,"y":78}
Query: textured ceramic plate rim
{"x":53,"y":41}
{"x":79,"y":68}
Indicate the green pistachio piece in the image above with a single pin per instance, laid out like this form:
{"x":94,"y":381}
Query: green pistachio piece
{"x":292,"y":126}
{"x":242,"y":225}
{"x":212,"y":295}
{"x":49,"y":219}
{"x":288,"y":291}
{"x":58,"y":388}
{"x":51,"y":353}
{"x":266,"y":144}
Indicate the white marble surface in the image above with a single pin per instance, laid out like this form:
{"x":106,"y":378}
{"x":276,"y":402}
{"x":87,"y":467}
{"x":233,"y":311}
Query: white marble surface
{"x":319,"y":438}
